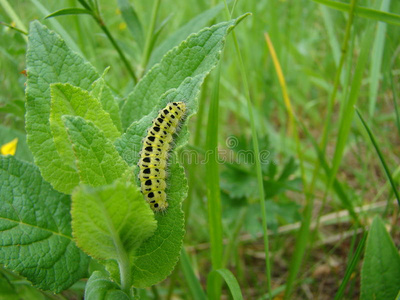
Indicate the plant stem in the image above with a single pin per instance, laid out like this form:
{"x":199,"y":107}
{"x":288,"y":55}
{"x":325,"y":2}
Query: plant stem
{"x":100,"y":22}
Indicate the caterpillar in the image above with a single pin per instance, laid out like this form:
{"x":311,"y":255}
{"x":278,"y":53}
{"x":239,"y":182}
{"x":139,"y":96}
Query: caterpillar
{"x":154,"y":154}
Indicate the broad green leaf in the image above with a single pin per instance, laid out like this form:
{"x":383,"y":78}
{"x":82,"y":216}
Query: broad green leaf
{"x":179,"y":35}
{"x":197,"y":55}
{"x":97,"y":159}
{"x":111,"y":220}
{"x":70,"y":100}
{"x":380,"y":274}
{"x":69,"y":11}
{"x":49,"y":60}
{"x":36,"y":239}
{"x":99,"y":287}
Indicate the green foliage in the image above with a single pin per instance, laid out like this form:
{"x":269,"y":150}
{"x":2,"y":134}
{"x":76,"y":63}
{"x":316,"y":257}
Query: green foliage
{"x":72,"y":124}
{"x":81,"y":148}
{"x":380,"y":276}
{"x":36,"y":230}
{"x":99,"y":287}
{"x":47,"y":65}
{"x":97,"y":160}
{"x":111,"y":219}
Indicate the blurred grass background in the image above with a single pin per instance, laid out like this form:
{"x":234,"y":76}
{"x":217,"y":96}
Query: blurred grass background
{"x":337,"y":181}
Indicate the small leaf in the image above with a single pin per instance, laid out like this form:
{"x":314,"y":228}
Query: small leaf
{"x":9,"y":148}
{"x":99,"y":287}
{"x":69,"y":11}
{"x":97,"y":160}
{"x":111,"y":219}
{"x":36,"y":239}
{"x":101,"y":91}
{"x":380,"y":274}
{"x":67,"y":99}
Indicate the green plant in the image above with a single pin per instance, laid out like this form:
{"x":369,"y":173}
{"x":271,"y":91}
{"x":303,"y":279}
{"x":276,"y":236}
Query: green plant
{"x":76,"y":136}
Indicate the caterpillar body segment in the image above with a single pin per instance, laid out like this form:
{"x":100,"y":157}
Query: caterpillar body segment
{"x":154,"y":154}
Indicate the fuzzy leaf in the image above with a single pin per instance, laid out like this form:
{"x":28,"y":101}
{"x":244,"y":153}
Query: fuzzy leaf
{"x":36,"y":239}
{"x":111,"y":219}
{"x":49,"y":60}
{"x":99,"y":287}
{"x":97,"y":159}
{"x":70,"y":100}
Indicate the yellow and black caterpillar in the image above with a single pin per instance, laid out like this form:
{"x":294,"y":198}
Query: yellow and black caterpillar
{"x":154,"y":154}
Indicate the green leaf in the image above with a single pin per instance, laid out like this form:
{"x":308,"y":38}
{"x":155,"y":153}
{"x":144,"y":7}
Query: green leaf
{"x":193,"y":282}
{"x":381,"y":157}
{"x":97,"y":160}
{"x":111,"y":219}
{"x":99,"y":287}
{"x":380,"y":274}
{"x":179,"y":35}
{"x":198,"y":55}
{"x":49,"y":60}
{"x":69,"y":11}
{"x":229,"y":279}
{"x":36,"y":239}
{"x":101,"y":91}
{"x":364,"y":12}
{"x":70,"y":100}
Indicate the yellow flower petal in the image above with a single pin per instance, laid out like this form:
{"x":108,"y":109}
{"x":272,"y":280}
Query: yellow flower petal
{"x":9,"y":148}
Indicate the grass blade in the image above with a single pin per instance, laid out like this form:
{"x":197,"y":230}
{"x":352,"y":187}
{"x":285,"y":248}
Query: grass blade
{"x":193,"y":282}
{"x":364,"y":12}
{"x":69,"y":11}
{"x":213,"y":190}
{"x":378,"y":151}
{"x":230,"y":280}
{"x":348,"y":111}
{"x":351,"y":267}
{"x":376,"y":58}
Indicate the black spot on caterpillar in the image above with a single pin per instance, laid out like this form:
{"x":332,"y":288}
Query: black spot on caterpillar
{"x":154,"y":154}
